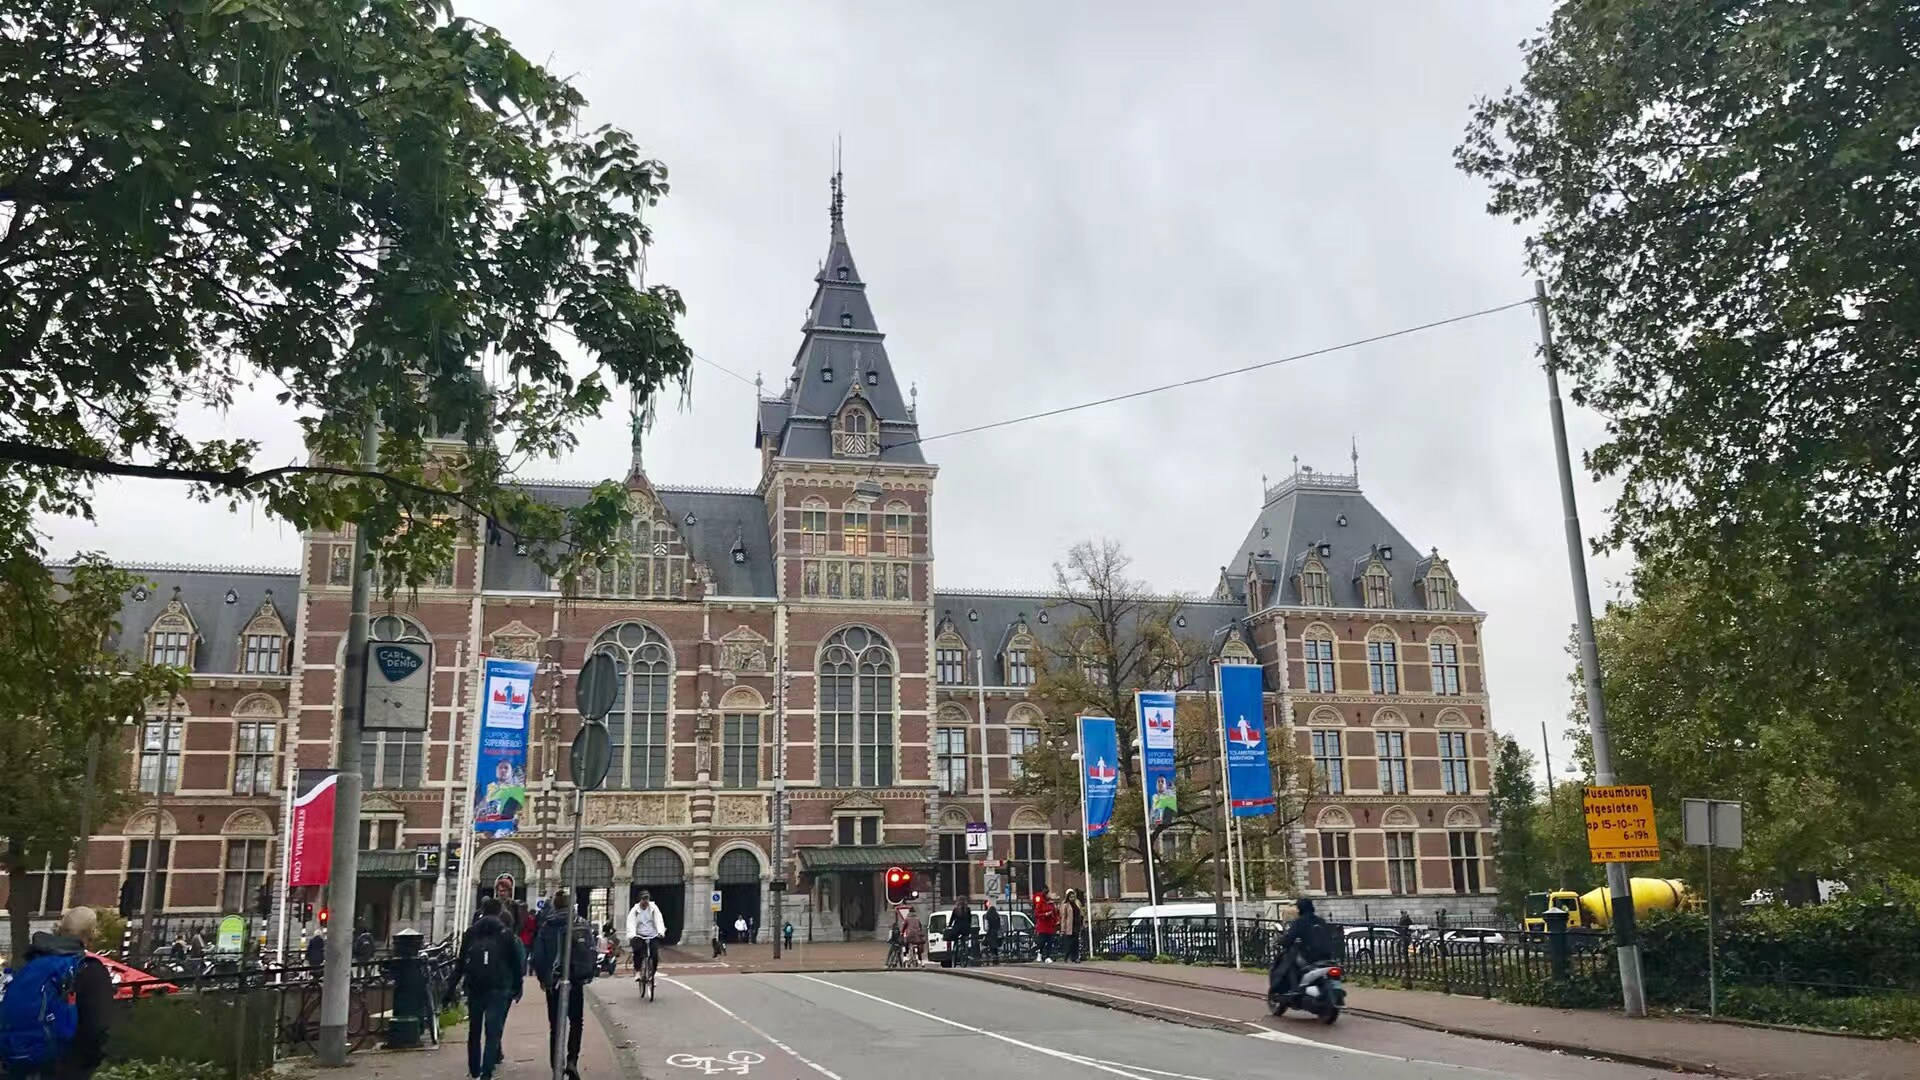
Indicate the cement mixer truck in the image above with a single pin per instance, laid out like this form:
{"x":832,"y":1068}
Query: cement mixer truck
{"x":1594,"y":910}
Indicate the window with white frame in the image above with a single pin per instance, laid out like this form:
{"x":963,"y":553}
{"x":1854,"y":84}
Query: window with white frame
{"x":1019,"y":741}
{"x":856,"y":710}
{"x":1439,"y":590}
{"x":1019,"y":663}
{"x":1455,"y":774}
{"x":1377,"y":586}
{"x":1391,"y":748}
{"x":1329,"y":766}
{"x":638,"y":723}
{"x":263,"y":652}
{"x":1336,"y":861}
{"x":380,"y":833}
{"x":137,"y":871}
{"x":898,"y":524}
{"x":1029,"y":863}
{"x":813,"y":527}
{"x":256,"y":744}
{"x":245,"y":872}
{"x":857,"y":830}
{"x":950,"y":663}
{"x":1383,"y":666}
{"x":160,"y":741}
{"x":1463,"y":850}
{"x":1444,"y":657}
{"x":1318,"y":653}
{"x":853,"y":530}
{"x":172,"y":638}
{"x":739,"y":750}
{"x":950,"y":759}
{"x":1314,"y":590}
{"x":953,"y":868}
{"x":45,"y":893}
{"x":1403,"y":867}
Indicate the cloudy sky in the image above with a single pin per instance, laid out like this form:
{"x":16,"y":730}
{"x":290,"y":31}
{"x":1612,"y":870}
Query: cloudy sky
{"x":1054,"y":202}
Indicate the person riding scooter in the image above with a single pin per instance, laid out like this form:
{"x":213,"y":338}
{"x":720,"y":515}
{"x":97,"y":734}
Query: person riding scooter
{"x":1308,"y":940}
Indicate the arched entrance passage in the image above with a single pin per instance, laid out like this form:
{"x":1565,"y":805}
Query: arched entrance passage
{"x":494,"y":865}
{"x":662,"y":874}
{"x":595,"y":898}
{"x":738,"y":879}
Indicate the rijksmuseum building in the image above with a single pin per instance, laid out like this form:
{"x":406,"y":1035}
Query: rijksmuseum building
{"x":905,"y":710}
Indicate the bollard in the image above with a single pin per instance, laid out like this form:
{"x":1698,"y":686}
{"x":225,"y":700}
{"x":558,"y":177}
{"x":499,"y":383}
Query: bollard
{"x":1557,"y":945}
{"x":410,"y":1003}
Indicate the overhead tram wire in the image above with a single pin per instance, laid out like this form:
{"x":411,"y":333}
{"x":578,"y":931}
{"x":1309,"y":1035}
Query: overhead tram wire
{"x":1130,"y":395}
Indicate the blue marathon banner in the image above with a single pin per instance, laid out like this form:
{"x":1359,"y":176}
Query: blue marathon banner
{"x":1099,"y":771}
{"x":500,"y":773}
{"x":1249,"y":776}
{"x":1155,"y":708}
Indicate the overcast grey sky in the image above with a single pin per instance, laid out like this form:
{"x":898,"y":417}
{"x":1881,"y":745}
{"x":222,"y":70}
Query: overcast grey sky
{"x":1057,"y":201}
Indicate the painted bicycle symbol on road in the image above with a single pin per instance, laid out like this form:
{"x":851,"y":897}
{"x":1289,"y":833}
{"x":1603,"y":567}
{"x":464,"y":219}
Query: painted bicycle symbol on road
{"x":738,"y":1062}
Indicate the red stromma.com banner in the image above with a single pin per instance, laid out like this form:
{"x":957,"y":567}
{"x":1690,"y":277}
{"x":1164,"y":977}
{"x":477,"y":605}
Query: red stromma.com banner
{"x":310,"y":862}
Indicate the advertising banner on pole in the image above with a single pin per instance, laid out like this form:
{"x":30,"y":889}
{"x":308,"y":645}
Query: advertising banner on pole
{"x":310,"y":835}
{"x":500,"y":777}
{"x":1249,"y":774}
{"x":1099,"y":771}
{"x":1156,"y":755}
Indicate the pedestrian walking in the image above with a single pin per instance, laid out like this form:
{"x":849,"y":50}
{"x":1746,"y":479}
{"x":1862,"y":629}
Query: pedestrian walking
{"x":740,"y":929}
{"x":990,"y":928}
{"x":58,"y":1005}
{"x":959,"y":931}
{"x":563,"y":930}
{"x":363,"y":946}
{"x":1406,"y":932}
{"x":1046,"y":924}
{"x":786,"y":931}
{"x":317,"y":953}
{"x":719,"y":941}
{"x":491,"y":964}
{"x":1076,"y":920}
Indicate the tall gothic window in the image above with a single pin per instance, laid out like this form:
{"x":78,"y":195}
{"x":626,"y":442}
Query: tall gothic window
{"x":899,"y":526}
{"x":246,"y":871}
{"x":638,"y":722}
{"x":955,"y":868}
{"x":1403,"y":869}
{"x":1463,"y":857}
{"x":393,"y":759}
{"x":813,"y":527}
{"x":950,"y":750}
{"x":1336,"y":861}
{"x":1456,"y":778}
{"x":254,"y":747}
{"x":1439,"y":592}
{"x":739,"y":750}
{"x":856,"y":710}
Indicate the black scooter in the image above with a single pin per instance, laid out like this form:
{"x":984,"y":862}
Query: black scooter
{"x":1319,"y":991}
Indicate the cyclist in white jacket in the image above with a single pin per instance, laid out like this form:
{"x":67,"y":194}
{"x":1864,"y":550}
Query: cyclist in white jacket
{"x":645,"y":927}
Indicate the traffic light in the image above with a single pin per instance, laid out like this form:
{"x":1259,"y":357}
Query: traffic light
{"x":127,"y":888}
{"x":452,"y":861}
{"x":900,"y":885}
{"x":306,"y":912}
{"x":263,"y":902}
{"x":323,"y":916}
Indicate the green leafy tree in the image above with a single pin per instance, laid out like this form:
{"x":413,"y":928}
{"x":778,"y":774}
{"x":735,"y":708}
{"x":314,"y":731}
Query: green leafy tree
{"x":1110,"y":637}
{"x":61,"y":689}
{"x":1516,"y":814}
{"x":1725,"y":201}
{"x":373,"y":207}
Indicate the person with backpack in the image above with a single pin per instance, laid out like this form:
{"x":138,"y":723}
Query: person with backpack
{"x":58,"y":1005}
{"x":563,"y":930}
{"x":1308,"y":939}
{"x":489,"y":963}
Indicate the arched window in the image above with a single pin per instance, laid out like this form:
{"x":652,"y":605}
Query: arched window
{"x":596,"y":870}
{"x":263,"y":642}
{"x":855,"y":538}
{"x":170,"y":642}
{"x":899,"y":526}
{"x":1335,"y":827}
{"x":855,"y":437}
{"x":856,"y":709}
{"x":737,"y":867}
{"x":741,"y":711}
{"x":813,"y":527}
{"x":638,"y":721}
{"x":1377,"y":586}
{"x":1023,"y":734}
{"x":1314,"y":591}
{"x":1383,"y":661}
{"x":394,"y":759}
{"x":1443,"y":655}
{"x":502,"y":862}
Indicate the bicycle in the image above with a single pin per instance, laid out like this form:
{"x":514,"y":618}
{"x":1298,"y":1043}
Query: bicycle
{"x":894,"y":958}
{"x":649,"y":964}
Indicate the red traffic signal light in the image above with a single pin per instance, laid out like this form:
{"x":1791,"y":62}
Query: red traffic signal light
{"x":323,"y":916}
{"x":899,"y":885}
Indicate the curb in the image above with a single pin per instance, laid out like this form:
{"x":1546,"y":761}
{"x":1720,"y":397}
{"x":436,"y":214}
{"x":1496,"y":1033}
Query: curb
{"x":1183,"y":1019}
{"x":1188,"y":1020}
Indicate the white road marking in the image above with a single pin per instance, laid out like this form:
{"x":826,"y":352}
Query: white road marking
{"x":1008,"y":1039}
{"x":791,"y":1052}
{"x":739,"y":1062}
{"x":1137,"y":1001}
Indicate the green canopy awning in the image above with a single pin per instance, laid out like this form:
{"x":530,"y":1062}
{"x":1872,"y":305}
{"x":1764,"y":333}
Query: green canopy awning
{"x":826,"y":858}
{"x":389,"y":864}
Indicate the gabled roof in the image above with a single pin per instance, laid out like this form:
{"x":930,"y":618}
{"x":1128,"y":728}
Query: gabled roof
{"x":987,"y":620}
{"x":840,"y":343}
{"x":203,"y":592}
{"x":721,"y":519}
{"x":1307,"y":510}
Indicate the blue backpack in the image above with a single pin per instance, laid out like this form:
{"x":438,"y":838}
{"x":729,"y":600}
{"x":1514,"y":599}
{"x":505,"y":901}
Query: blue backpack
{"x":38,"y":1016}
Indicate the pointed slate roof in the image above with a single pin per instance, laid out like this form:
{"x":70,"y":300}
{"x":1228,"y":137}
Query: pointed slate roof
{"x":840,"y":343}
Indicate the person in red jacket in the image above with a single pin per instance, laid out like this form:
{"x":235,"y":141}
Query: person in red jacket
{"x":1046,"y":923}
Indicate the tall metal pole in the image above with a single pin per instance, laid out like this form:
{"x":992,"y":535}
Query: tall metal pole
{"x":1633,"y":994}
{"x":779,"y":799}
{"x":564,"y":989}
{"x":337,"y":978}
{"x":986,"y":763}
{"x":1553,"y":811}
{"x":1086,"y":842}
{"x":148,"y":901}
{"x":1234,"y":880}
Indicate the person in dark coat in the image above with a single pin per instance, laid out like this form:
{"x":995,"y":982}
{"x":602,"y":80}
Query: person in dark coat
{"x":1304,"y":943}
{"x":547,"y":946}
{"x":92,"y":992}
{"x":990,"y":931}
{"x":1075,"y":919}
{"x":959,"y":931}
{"x":489,"y":993}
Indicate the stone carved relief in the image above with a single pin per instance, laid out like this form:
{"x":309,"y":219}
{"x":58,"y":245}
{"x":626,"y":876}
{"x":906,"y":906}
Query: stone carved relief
{"x":741,"y":810}
{"x":515,"y":641}
{"x":743,"y":651}
{"x":639,"y":809}
{"x":703,"y":756}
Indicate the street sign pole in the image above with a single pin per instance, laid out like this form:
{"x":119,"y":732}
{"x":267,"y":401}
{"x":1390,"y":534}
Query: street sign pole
{"x":588,"y":759}
{"x":1633,"y":994}
{"x":1713,"y":965}
{"x":1712,"y":823}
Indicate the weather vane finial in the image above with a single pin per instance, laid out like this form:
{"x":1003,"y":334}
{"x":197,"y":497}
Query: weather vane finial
{"x":836,"y":209}
{"x":1353,"y":441}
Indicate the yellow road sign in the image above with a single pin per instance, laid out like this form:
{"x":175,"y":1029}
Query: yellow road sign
{"x":1620,"y":824}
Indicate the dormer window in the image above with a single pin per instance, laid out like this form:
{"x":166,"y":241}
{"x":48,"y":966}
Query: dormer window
{"x":170,"y":639}
{"x":873,"y":378}
{"x":1376,"y":586}
{"x":854,"y":435}
{"x":1314,"y":588}
{"x":1438,"y":584}
{"x":840,"y":273}
{"x":846,"y":318}
{"x":826,"y":374}
{"x":264,"y":642}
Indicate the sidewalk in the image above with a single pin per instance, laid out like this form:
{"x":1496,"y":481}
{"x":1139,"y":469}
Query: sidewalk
{"x":804,"y":956}
{"x":1690,"y":1045}
{"x":524,"y":1040}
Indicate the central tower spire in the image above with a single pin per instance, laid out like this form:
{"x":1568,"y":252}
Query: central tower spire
{"x":837,"y":206}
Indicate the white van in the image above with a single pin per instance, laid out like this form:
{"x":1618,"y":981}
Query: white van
{"x":1184,"y":928}
{"x":1016,"y":931}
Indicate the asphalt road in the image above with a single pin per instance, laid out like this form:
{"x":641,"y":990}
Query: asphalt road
{"x":927,"y":1026}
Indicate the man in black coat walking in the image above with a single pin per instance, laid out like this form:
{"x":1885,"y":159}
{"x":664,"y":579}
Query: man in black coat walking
{"x":552,"y":937}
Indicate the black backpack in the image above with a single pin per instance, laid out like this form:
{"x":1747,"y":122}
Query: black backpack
{"x":580,"y":941}
{"x":489,"y":962}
